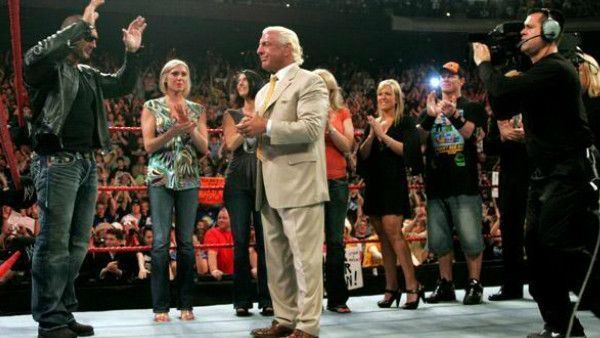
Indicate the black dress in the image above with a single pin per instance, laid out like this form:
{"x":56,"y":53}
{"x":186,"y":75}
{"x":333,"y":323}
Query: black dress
{"x":384,"y":171}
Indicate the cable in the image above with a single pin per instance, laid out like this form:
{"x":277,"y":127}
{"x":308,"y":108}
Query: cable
{"x":592,"y":158}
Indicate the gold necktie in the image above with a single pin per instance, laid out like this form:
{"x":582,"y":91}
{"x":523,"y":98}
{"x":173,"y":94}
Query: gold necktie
{"x":270,"y":91}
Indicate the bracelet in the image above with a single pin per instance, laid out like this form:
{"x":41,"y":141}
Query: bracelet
{"x":428,"y":122}
{"x":457,"y":122}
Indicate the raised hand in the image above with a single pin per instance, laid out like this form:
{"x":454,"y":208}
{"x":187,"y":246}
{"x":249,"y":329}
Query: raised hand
{"x":132,"y":36}
{"x":432,"y":105}
{"x":481,"y":53}
{"x":89,"y":13}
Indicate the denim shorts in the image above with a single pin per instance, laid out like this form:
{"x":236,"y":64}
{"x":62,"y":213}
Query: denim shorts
{"x":463,"y":212}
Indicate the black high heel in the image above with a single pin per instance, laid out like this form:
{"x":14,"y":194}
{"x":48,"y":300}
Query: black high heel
{"x":420,"y":291}
{"x":387,"y":303}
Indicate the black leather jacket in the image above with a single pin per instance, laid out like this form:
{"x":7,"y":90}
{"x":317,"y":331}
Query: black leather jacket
{"x":53,"y":83}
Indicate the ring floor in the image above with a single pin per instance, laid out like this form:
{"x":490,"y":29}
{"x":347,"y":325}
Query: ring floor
{"x":491,"y":319}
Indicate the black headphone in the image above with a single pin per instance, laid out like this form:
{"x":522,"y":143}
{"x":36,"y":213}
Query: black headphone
{"x":550,"y":27}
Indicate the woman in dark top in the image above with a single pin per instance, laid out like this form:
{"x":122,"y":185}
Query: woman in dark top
{"x":392,"y":139}
{"x":239,"y":194}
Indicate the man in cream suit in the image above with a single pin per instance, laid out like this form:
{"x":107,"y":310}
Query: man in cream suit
{"x":291,"y":183}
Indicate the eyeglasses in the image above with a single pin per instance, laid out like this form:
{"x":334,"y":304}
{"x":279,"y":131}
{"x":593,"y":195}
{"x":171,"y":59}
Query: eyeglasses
{"x":90,"y":38}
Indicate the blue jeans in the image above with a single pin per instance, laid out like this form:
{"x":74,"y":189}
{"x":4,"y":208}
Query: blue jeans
{"x":162,"y":202}
{"x":66,"y":188}
{"x":240,"y":205}
{"x":464,"y":213}
{"x":335,"y":215}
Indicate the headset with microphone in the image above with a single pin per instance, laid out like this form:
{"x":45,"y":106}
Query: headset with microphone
{"x":550,"y":27}
{"x":550,"y":30}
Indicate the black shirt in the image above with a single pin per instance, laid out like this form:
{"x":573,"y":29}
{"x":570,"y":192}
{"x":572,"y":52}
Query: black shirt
{"x":451,"y":161}
{"x":592,"y":109}
{"x":549,"y":95}
{"x":241,"y":172}
{"x":80,"y":130}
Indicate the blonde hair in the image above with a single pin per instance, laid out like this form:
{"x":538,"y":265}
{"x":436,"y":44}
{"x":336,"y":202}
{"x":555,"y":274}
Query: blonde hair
{"x":335,"y":94}
{"x":591,"y":78}
{"x":288,"y":36}
{"x":168,"y":67}
{"x":399,"y":111}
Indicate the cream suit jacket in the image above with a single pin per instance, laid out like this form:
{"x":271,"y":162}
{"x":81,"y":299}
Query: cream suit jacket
{"x":293,"y":173}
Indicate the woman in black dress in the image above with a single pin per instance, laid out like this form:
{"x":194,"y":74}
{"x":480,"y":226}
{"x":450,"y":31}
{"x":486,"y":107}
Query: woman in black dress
{"x":239,"y":196}
{"x":392,"y":140}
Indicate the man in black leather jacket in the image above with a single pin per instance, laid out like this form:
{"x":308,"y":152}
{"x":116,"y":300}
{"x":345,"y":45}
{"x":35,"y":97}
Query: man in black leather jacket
{"x":69,"y":124}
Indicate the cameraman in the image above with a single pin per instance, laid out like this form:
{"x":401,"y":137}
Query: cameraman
{"x":557,"y":137}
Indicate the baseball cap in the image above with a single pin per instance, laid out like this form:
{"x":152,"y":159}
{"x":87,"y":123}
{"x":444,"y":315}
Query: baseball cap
{"x":452,"y":68}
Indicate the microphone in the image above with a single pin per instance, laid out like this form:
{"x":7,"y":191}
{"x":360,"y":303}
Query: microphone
{"x":523,"y":42}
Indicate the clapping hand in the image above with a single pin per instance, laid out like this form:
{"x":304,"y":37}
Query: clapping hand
{"x":113,"y":266}
{"x":181,"y":113}
{"x":433,"y":106}
{"x":378,"y":128}
{"x":183,"y":125}
{"x":251,"y":125}
{"x":447,"y":107}
{"x":509,"y":132}
{"x":132,"y":36}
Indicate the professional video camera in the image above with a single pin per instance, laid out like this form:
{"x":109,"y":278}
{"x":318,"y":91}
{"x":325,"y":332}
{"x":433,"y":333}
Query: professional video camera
{"x":504,"y":43}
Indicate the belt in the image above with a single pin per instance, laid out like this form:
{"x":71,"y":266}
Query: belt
{"x":71,"y":156}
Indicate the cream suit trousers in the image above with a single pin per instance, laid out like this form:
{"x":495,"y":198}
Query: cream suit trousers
{"x":294,"y":252}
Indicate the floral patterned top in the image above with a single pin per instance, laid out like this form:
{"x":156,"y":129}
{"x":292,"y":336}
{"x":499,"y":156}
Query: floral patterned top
{"x":174,"y":166}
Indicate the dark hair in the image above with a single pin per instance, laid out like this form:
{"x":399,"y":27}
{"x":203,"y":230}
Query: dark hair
{"x":143,"y":234}
{"x":255,"y":82}
{"x":115,"y":232}
{"x":554,"y":13}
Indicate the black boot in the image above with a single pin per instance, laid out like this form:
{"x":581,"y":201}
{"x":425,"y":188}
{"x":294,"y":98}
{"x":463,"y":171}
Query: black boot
{"x":444,"y":292}
{"x":473,"y":293}
{"x":81,"y":330}
{"x":63,"y":332}
{"x":507,"y":293}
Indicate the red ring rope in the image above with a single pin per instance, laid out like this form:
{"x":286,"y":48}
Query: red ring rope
{"x":9,"y":263}
{"x":145,"y":248}
{"x":17,"y":55}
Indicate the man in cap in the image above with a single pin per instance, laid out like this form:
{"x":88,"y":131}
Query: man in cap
{"x":451,"y":126}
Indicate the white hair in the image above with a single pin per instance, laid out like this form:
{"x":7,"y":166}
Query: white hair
{"x":288,"y":36}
